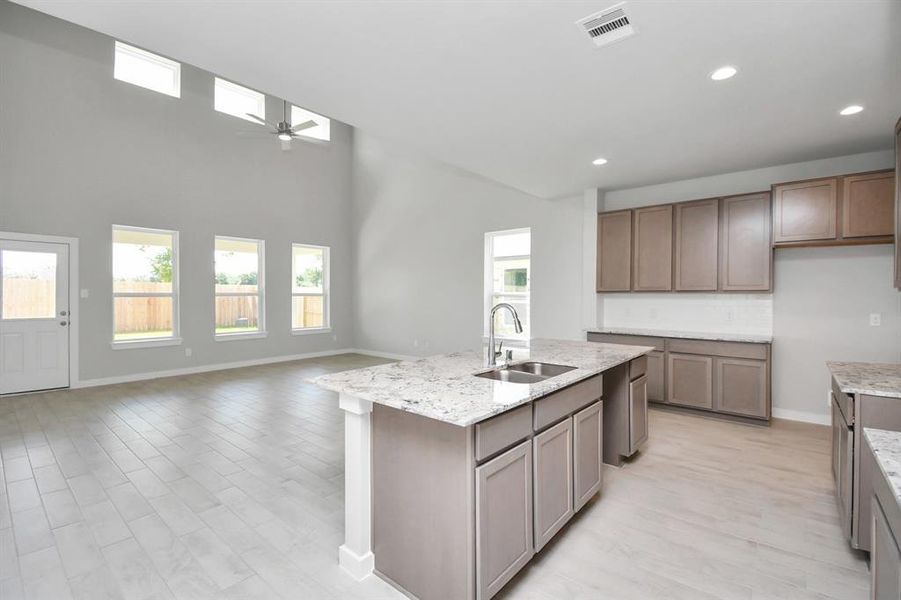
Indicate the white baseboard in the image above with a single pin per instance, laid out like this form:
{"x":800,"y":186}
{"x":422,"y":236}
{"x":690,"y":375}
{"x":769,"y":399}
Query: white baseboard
{"x":801,"y":415}
{"x":131,"y":377}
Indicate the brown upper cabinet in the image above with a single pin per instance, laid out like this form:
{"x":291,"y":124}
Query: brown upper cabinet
{"x":652,"y":247}
{"x":696,"y":225}
{"x":615,"y":251}
{"x":805,"y":211}
{"x":832,"y":211}
{"x":746,"y":253}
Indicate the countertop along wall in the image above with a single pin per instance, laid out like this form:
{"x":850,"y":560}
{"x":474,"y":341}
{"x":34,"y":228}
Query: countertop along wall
{"x":80,"y":151}
{"x":822,"y":297}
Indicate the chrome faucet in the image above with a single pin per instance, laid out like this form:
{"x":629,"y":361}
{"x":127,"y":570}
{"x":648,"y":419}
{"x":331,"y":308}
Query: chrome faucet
{"x":493,"y":352}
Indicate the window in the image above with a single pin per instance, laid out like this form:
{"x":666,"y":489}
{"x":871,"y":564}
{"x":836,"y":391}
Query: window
{"x":309,"y":288}
{"x":508,"y":279}
{"x":233,"y":99}
{"x":145,"y":285}
{"x":148,"y":70}
{"x":239,"y":287}
{"x":323,"y":128}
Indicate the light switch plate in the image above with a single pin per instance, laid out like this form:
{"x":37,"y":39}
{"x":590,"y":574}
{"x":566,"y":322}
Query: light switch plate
{"x":84,"y":293}
{"x":875,"y":319}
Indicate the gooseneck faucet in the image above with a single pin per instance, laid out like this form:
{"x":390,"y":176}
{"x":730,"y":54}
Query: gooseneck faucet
{"x":493,"y":352}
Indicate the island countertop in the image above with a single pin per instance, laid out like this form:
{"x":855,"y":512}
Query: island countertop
{"x":886,"y":446}
{"x":875,"y":379}
{"x":444,"y":387}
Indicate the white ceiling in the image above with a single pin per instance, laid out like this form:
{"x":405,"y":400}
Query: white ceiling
{"x":515,"y":92}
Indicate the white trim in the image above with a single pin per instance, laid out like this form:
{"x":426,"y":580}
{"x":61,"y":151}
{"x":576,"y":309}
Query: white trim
{"x":74,"y":292}
{"x":147,"y":343}
{"x":208,"y":368}
{"x":355,"y":554}
{"x":311,"y":330}
{"x":802,"y":416}
{"x":250,"y":335}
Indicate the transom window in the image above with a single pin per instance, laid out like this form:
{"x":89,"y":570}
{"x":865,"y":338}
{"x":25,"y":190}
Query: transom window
{"x":239,"y":287}
{"x":508,"y":279}
{"x":323,"y":128}
{"x":237,"y":100}
{"x":309,"y":287}
{"x":145,"y":285}
{"x":145,"y":69}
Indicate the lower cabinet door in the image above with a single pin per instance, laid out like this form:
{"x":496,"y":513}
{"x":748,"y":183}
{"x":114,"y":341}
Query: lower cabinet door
{"x":588,"y":446}
{"x":689,"y":380}
{"x":656,"y":380}
{"x":741,"y":386}
{"x":885,"y":557}
{"x":504,"y":540}
{"x":553,"y":466}
{"x":638,"y":413}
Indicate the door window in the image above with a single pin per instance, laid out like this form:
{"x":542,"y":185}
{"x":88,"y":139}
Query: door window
{"x":29,"y":284}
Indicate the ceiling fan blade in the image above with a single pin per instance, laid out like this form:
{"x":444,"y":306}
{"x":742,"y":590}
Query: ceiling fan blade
{"x":286,"y":145}
{"x":304,"y":125}
{"x":259,"y":120}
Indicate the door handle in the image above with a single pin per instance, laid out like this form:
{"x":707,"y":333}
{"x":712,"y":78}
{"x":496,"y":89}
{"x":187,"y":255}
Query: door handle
{"x":63,"y":323}
{"x":63,"y":313}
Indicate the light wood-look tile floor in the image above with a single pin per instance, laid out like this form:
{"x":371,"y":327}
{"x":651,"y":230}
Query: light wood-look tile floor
{"x":229,"y":485}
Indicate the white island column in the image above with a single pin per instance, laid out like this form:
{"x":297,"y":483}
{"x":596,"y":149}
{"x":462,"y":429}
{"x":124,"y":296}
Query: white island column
{"x":355,"y":554}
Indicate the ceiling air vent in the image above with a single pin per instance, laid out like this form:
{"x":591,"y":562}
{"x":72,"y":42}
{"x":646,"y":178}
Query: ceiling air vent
{"x":607,"y":26}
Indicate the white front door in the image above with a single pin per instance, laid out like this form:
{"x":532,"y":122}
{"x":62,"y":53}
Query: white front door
{"x":34,"y":316}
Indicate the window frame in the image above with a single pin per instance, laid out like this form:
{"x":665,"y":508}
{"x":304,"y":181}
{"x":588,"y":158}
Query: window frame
{"x":489,"y":293}
{"x":322,"y":122}
{"x":173,"y":340}
{"x":260,"y":293}
{"x":325,"y":295}
{"x":243,"y":89}
{"x":140,"y":53}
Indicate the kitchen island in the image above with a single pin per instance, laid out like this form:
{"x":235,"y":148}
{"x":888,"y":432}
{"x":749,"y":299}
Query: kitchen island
{"x":453,"y":481}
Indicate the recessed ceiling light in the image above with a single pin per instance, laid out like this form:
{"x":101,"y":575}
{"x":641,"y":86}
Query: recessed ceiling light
{"x":599,"y":161}
{"x":723,"y":73}
{"x":850,"y":110}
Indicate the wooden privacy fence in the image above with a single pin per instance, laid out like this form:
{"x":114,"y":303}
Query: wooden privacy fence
{"x":134,"y":314}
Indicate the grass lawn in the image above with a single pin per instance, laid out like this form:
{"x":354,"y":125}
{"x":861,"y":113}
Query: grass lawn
{"x":227,"y":330}
{"x":140,"y":335}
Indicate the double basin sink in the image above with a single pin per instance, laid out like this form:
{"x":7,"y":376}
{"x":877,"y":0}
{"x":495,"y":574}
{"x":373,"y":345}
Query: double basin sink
{"x":526,"y":372}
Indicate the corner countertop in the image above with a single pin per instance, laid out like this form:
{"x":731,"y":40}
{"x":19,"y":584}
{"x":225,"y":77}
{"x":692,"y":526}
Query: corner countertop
{"x":886,"y":446}
{"x":876,"y":379}
{"x":750,"y":338}
{"x":444,"y":388}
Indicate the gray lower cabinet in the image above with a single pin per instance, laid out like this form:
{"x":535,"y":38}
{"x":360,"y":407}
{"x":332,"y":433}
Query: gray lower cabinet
{"x":690,"y":380}
{"x":553,"y":481}
{"x":588,"y":470}
{"x":741,"y":386}
{"x":656,"y":376}
{"x":504,"y":540}
{"x":885,"y":557}
{"x":638,"y":413}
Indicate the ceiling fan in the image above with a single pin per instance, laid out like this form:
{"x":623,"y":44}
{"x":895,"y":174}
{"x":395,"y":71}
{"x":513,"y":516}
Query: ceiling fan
{"x":283,"y":129}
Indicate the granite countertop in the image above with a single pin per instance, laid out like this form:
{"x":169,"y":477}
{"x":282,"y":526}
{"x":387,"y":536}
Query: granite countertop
{"x":886,"y":446}
{"x":689,"y":335}
{"x":876,"y":379}
{"x":443,"y":387}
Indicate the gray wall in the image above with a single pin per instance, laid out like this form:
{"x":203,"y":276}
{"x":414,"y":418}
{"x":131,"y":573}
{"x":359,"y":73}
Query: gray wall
{"x":419,"y":229}
{"x":80,"y":151}
{"x":822,"y":297}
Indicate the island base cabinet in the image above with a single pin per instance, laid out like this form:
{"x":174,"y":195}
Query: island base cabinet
{"x":741,"y":386}
{"x":638,"y":413}
{"x":656,"y":378}
{"x":504,"y":541}
{"x":885,"y":557}
{"x":553,"y":482}
{"x":588,"y":469}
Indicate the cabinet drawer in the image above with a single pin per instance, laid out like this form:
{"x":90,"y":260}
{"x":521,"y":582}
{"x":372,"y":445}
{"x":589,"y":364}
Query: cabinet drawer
{"x":845,"y":402}
{"x":628,"y":340}
{"x":638,"y":367}
{"x":503,"y":431}
{"x":710,"y":348}
{"x":556,"y":406}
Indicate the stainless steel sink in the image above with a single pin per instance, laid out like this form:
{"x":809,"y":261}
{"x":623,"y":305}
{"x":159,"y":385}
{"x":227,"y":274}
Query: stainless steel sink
{"x":541,"y":369}
{"x":511,"y":376}
{"x":527,"y":372}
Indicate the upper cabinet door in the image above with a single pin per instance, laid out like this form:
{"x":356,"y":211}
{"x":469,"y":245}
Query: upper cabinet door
{"x":697,"y":226}
{"x":805,"y":211}
{"x":868,"y":205}
{"x":615,"y":251}
{"x":652,"y":248}
{"x":746,"y":253}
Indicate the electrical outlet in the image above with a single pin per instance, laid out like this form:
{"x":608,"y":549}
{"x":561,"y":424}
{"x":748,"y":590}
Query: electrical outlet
{"x":85,"y":292}
{"x":188,"y":352}
{"x":875,"y":319}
